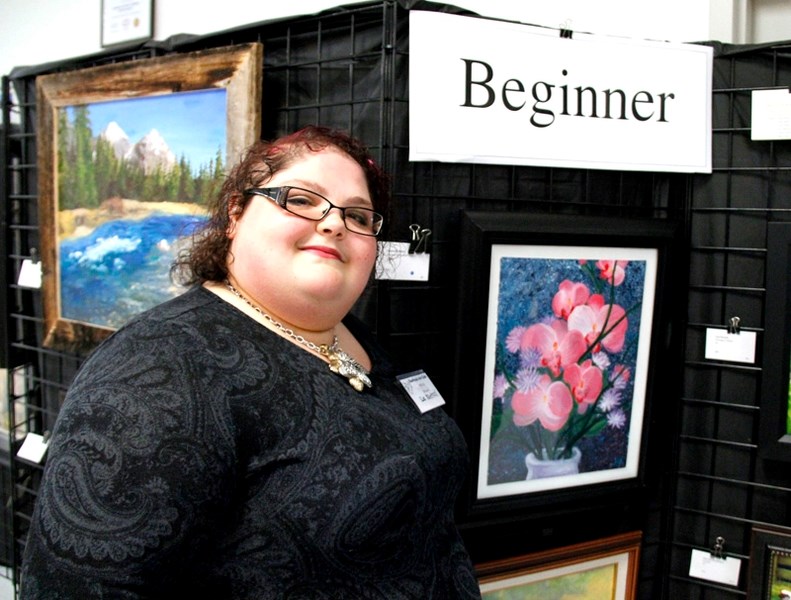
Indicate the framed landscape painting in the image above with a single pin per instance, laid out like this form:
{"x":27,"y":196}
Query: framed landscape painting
{"x":604,"y":569}
{"x":561,"y":332}
{"x":129,"y":156}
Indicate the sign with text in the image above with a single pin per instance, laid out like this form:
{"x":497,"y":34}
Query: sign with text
{"x":497,"y":92}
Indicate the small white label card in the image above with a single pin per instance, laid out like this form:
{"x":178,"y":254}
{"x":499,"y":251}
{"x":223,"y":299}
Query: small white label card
{"x":395,"y":262}
{"x":422,"y":390}
{"x":30,"y":274}
{"x":735,"y":347}
{"x":771,"y":115}
{"x":722,"y":570}
{"x":33,"y":448}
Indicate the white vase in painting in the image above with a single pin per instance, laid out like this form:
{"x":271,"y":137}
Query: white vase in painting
{"x":538,"y":468}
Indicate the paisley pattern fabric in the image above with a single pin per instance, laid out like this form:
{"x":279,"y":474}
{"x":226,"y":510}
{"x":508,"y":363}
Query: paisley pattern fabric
{"x":197,"y":452}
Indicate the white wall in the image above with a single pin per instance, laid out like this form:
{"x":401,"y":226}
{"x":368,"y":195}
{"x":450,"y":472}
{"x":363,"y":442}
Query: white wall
{"x":770,"y":21}
{"x":40,"y":31}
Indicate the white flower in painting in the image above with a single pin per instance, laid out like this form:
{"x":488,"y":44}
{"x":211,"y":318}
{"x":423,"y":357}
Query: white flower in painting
{"x":610,"y":399}
{"x":616,"y":419}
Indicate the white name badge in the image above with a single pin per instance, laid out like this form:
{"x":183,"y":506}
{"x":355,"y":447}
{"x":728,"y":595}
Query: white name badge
{"x":422,"y":390}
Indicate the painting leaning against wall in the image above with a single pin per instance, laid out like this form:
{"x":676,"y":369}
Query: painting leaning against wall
{"x":598,"y":569}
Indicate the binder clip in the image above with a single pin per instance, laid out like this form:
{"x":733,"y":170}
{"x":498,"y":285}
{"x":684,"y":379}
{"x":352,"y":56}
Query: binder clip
{"x":565,"y":31}
{"x":733,"y":325}
{"x":719,"y":546}
{"x":422,"y":245}
{"x":415,"y":229}
{"x":419,"y":242}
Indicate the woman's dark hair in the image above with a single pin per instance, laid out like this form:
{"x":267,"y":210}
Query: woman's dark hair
{"x":206,"y":258}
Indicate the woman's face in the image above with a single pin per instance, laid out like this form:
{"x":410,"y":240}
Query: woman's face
{"x":307,"y":273}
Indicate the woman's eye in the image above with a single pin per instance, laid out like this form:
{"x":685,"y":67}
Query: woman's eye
{"x":359,"y":216}
{"x":298,"y":201}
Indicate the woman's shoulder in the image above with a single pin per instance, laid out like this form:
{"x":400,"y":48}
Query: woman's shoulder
{"x":181,"y":324}
{"x":172,"y":314}
{"x":193,"y":299}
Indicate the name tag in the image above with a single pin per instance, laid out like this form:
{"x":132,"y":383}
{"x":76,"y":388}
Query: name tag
{"x":421,"y":389}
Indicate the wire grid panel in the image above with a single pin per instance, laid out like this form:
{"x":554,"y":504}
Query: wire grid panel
{"x":348,"y":68}
{"x":722,"y":487}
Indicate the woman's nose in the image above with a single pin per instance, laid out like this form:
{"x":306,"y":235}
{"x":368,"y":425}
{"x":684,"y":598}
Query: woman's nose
{"x":333,"y":220}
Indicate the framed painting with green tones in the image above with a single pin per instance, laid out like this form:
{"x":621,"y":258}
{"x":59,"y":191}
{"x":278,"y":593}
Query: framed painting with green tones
{"x":604,"y":569}
{"x":770,"y":563}
{"x":775,"y":408}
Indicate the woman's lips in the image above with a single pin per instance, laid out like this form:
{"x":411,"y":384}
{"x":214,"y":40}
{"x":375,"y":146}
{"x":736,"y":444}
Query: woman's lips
{"x":324,"y":251}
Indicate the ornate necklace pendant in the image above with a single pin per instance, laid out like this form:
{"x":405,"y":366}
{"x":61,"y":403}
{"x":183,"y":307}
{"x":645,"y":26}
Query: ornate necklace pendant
{"x":345,"y":365}
{"x":340,"y":362}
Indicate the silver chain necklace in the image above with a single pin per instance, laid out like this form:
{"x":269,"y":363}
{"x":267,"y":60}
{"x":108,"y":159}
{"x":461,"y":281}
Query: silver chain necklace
{"x":340,"y":362}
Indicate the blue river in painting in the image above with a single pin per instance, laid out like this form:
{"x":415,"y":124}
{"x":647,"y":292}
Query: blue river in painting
{"x":122,"y":268}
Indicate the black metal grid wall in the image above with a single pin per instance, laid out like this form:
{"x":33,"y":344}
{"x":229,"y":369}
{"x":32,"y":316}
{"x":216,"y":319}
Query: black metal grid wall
{"x":723,"y":486}
{"x":37,"y":376}
{"x":344,"y":68}
{"x":348,"y":68}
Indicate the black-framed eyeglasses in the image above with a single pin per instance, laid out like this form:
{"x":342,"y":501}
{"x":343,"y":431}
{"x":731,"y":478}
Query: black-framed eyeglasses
{"x":313,"y":206}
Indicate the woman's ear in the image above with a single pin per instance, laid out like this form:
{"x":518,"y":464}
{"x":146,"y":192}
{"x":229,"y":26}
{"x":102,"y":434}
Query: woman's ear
{"x":234,"y":213}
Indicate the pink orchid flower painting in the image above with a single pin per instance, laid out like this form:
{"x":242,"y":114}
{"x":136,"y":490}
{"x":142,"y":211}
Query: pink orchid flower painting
{"x":567,"y":370}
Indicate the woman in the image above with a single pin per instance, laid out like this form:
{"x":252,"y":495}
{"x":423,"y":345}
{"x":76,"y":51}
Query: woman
{"x":248,"y":439}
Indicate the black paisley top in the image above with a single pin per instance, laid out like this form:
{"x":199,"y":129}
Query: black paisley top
{"x":197,"y":452}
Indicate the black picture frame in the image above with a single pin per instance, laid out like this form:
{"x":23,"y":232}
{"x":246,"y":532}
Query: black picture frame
{"x":774,"y":439}
{"x":770,"y":555}
{"x":482,"y":231}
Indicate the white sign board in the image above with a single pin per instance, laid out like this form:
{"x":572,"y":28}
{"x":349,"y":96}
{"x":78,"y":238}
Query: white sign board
{"x":496,"y":92}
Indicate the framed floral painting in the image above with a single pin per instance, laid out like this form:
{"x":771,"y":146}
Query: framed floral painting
{"x":564,"y":316}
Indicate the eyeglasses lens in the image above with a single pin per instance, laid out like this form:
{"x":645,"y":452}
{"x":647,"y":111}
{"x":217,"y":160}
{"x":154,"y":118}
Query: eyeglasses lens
{"x":311,"y":205}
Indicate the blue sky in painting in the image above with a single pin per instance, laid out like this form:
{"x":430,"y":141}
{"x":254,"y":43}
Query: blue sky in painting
{"x":192,"y":123}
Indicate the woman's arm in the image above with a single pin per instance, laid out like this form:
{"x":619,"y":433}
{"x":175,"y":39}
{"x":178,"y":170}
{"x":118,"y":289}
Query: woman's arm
{"x":139,"y":472}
